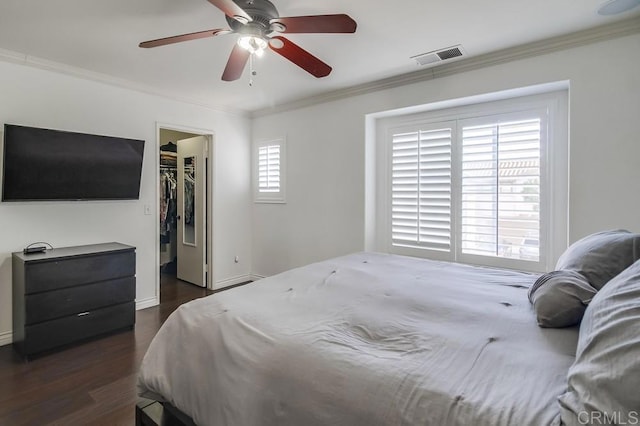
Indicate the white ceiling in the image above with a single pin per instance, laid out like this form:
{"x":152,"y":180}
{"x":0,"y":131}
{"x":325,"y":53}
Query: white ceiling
{"x":103,"y":36}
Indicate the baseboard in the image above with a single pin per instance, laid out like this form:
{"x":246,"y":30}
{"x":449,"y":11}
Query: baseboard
{"x":6,"y":338}
{"x":147,"y":303}
{"x":233,"y":281}
{"x":256,"y":277}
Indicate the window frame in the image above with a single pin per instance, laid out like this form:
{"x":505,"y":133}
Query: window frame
{"x":553,"y":176}
{"x":275,"y":197}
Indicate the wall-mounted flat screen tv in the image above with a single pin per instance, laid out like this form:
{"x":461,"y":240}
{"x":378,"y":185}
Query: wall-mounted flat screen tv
{"x":43,"y":164}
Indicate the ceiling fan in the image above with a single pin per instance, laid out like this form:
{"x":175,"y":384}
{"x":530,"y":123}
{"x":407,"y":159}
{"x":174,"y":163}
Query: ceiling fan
{"x":258,"y":23}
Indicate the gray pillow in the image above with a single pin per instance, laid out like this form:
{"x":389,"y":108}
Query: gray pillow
{"x":604,"y":380}
{"x":601,"y":256}
{"x":560,"y":298}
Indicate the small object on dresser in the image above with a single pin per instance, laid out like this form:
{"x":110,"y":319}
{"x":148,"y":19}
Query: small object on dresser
{"x":34,"y":249}
{"x":39,"y":248}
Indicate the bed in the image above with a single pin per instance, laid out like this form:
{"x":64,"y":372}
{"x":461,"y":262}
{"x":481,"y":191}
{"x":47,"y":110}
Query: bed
{"x":364,"y":339}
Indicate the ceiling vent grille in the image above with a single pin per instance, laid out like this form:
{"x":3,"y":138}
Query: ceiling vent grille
{"x":437,"y":56}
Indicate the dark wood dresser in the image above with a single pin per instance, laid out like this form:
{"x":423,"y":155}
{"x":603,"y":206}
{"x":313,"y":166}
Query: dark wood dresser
{"x":65,"y":295}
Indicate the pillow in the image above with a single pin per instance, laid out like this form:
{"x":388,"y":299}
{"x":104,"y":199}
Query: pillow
{"x":560,"y":298}
{"x":604,"y":380}
{"x":601,"y":256}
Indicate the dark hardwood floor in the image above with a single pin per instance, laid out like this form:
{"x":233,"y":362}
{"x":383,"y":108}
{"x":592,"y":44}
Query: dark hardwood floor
{"x":90,"y":383}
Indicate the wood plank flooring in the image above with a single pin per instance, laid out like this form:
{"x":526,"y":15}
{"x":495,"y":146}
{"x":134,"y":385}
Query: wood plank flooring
{"x":91,"y":383}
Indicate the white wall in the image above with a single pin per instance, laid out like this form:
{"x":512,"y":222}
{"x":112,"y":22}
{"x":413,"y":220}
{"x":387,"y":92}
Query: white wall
{"x":34,"y":97}
{"x":324,"y":214}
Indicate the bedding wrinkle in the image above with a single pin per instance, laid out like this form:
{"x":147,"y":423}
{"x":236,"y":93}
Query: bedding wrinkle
{"x":423,"y":397}
{"x":252,"y":329}
{"x":463,"y":379}
{"x":380,"y":343}
{"x":325,"y":281}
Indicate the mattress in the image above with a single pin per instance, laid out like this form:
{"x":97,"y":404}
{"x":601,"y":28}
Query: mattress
{"x":364,"y":339}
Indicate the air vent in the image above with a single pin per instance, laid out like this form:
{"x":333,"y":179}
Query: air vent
{"x":453,"y":52}
{"x":437,"y":56}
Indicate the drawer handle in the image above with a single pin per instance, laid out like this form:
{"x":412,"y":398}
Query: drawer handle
{"x":83,"y":314}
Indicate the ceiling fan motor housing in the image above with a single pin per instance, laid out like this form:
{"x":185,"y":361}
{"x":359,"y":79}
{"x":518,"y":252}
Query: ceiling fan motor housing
{"x":261,"y":13}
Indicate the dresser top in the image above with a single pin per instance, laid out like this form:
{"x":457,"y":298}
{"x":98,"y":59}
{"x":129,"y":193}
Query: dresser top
{"x":72,"y":251}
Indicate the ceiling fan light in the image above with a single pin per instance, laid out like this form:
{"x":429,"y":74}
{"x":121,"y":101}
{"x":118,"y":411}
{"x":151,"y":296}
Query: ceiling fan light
{"x":253,"y":44}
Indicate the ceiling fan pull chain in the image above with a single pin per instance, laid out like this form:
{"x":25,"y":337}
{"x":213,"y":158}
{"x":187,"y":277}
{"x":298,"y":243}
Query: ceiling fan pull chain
{"x":252,"y":72}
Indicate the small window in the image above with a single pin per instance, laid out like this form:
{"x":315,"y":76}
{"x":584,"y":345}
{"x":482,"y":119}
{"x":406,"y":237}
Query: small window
{"x":269,"y":167}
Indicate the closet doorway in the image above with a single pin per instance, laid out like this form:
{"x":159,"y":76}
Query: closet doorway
{"x":184,"y":206}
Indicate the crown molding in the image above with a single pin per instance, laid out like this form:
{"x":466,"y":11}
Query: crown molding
{"x":537,"y":48}
{"x":58,"y":67}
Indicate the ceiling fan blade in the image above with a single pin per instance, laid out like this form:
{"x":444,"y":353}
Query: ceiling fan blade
{"x":300,"y":57}
{"x":237,"y":61}
{"x":232,"y":10}
{"x":184,"y":37}
{"x":317,"y":24}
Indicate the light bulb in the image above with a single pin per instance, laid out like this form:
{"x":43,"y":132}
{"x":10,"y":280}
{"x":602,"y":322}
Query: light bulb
{"x":253,"y":44}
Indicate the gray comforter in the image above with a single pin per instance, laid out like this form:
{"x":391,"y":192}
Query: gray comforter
{"x":364,"y":339}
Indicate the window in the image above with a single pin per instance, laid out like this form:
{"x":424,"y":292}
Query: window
{"x":500,"y":187}
{"x":269,"y":171}
{"x":269,"y":168}
{"x":476,"y":184}
{"x":421,"y":187}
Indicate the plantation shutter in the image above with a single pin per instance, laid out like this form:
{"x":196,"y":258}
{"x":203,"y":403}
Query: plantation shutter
{"x":500,"y":213}
{"x":269,"y":168}
{"x":421,"y":189}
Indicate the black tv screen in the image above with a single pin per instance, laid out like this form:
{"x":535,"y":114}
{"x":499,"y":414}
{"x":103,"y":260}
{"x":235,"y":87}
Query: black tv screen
{"x":43,"y":164}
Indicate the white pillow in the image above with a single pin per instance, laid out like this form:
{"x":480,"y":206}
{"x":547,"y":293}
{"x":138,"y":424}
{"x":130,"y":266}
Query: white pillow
{"x":604,"y":380}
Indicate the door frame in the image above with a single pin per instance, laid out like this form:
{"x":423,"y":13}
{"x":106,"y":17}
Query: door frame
{"x":211,"y":193}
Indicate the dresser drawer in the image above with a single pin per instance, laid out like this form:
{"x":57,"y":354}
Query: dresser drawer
{"x":74,"y":300}
{"x":61,"y":273}
{"x":50,"y":334}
